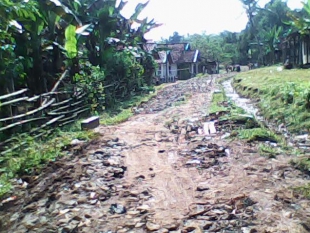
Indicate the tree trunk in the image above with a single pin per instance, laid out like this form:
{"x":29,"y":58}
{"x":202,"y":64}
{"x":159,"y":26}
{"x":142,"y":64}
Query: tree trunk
{"x":38,"y":81}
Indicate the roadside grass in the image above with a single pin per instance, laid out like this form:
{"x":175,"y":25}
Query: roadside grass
{"x":184,"y":99}
{"x":284,"y":97}
{"x":303,"y":190}
{"x":216,"y":102}
{"x":258,"y":134}
{"x":201,"y":75}
{"x":250,"y":128}
{"x":268,"y":151}
{"x":124,"y":109}
{"x":36,"y":153}
{"x":303,"y":164}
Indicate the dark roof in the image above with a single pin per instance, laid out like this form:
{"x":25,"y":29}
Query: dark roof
{"x":187,"y":57}
{"x":175,"y":46}
{"x":160,"y":57}
{"x":177,"y":52}
{"x":148,"y":47}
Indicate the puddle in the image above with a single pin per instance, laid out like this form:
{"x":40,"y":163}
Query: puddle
{"x":241,"y":102}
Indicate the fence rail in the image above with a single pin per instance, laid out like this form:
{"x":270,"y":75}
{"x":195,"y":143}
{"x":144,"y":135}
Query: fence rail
{"x":21,"y":114}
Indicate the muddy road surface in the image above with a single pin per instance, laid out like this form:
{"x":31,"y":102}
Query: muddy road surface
{"x":171,"y":168}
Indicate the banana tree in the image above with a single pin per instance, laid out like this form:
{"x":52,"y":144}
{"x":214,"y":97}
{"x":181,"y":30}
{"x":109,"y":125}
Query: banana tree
{"x":300,"y":22}
{"x":37,"y":23}
{"x":272,"y":41}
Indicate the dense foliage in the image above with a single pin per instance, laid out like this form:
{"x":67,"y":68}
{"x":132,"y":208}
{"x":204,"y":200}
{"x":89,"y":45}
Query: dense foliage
{"x":39,"y":39}
{"x":259,"y":42}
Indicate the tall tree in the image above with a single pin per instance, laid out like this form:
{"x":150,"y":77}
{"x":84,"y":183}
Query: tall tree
{"x":175,"y":38}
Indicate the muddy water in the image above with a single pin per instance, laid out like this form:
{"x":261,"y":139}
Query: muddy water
{"x":241,"y":102}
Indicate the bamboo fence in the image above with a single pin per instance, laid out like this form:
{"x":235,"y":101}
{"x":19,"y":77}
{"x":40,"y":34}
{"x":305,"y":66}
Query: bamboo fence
{"x":39,"y":115}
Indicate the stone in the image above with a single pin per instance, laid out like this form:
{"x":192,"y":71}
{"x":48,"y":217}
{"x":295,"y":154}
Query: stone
{"x":90,"y":123}
{"x":143,"y":208}
{"x":152,"y":227}
{"x":288,"y":214}
{"x":163,"y":230}
{"x":202,"y":187}
{"x":117,"y":209}
{"x":122,"y":230}
{"x":133,"y":213}
{"x":248,"y":230}
{"x":139,"y":224}
{"x":191,"y":162}
{"x":171,"y":227}
{"x":189,"y":128}
{"x":76,"y":142}
{"x":130,"y":223}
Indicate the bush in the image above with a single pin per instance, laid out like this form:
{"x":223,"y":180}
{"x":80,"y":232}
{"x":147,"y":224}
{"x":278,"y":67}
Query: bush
{"x":91,"y":80}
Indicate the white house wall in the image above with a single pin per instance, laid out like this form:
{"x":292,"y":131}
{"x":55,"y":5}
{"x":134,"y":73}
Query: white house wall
{"x":304,"y":53}
{"x":174,"y":70}
{"x":163,"y":70}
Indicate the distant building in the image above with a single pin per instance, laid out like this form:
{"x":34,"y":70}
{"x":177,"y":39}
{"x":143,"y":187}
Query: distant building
{"x":175,"y":61}
{"x":296,"y":50}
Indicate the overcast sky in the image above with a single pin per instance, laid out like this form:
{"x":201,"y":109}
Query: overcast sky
{"x":195,"y":16}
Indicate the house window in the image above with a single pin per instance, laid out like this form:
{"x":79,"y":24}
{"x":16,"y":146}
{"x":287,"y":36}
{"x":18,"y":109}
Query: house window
{"x":158,"y":72}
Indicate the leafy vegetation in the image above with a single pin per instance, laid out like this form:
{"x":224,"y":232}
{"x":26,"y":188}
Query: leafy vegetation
{"x":39,"y":39}
{"x":124,"y":109}
{"x":37,"y":153}
{"x":217,"y":99}
{"x":302,"y":164}
{"x":303,"y":190}
{"x":258,"y":134}
{"x":283,"y":96}
{"x":268,"y":151}
{"x":260,"y":42}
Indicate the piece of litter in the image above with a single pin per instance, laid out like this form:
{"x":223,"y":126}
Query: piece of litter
{"x":227,"y":151}
{"x":13,"y":198}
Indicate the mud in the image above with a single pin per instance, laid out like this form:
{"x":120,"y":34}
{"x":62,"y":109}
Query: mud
{"x":170,"y":168}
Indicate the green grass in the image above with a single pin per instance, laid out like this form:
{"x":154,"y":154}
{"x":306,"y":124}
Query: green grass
{"x":303,"y":164}
{"x":303,"y":190}
{"x":268,"y":151}
{"x":201,"y":75}
{"x":217,"y":99}
{"x":259,"y":134}
{"x":284,"y":96}
{"x":124,"y":109}
{"x":32,"y":157}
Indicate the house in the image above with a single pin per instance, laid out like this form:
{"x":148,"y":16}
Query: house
{"x":175,"y":61}
{"x":184,"y":63}
{"x":296,"y":49}
{"x":210,"y":67}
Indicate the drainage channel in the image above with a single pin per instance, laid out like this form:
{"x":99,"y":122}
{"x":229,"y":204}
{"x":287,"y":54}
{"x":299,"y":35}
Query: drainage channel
{"x":302,"y":142}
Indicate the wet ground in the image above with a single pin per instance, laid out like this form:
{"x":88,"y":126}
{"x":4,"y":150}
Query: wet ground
{"x":170,"y":168}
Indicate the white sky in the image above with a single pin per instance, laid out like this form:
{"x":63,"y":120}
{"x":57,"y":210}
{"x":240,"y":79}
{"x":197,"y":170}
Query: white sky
{"x":195,"y":16}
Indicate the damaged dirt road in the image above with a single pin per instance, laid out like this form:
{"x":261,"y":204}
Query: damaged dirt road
{"x":164,"y":170}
